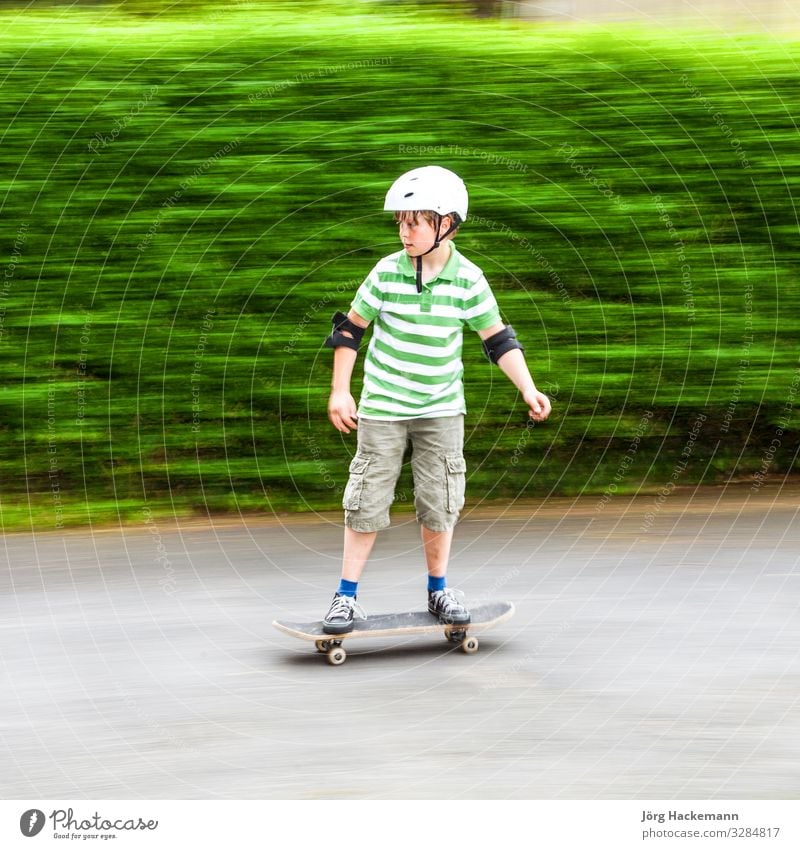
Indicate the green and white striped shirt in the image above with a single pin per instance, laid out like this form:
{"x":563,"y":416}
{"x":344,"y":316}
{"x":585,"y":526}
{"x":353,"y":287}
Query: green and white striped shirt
{"x":413,"y":366}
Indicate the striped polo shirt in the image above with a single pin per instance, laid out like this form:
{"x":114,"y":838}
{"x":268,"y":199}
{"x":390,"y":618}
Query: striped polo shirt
{"x":413,"y":365}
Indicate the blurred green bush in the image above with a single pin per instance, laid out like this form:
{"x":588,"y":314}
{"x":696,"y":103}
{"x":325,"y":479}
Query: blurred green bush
{"x":188,"y":198}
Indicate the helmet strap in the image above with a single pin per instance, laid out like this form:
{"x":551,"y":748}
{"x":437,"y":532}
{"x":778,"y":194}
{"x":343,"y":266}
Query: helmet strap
{"x":436,"y":242}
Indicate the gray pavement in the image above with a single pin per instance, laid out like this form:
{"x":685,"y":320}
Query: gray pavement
{"x":655,"y":653}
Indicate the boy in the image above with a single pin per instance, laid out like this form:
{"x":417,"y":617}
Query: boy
{"x":419,"y":299}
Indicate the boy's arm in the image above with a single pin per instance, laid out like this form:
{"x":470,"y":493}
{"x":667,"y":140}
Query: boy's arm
{"x":513,"y":365}
{"x":342,"y":405}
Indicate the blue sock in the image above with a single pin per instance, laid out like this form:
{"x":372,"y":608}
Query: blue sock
{"x":436,"y":584}
{"x":348,"y":588}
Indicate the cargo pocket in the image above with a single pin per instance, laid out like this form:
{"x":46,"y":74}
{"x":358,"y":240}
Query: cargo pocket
{"x":456,"y":469}
{"x":351,"y":500}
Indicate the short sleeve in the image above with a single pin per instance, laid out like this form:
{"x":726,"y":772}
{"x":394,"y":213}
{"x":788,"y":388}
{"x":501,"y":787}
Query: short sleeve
{"x":369,"y":299}
{"x":480,"y":307}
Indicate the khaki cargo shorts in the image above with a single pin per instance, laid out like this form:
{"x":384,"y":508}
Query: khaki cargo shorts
{"x":437,"y":463}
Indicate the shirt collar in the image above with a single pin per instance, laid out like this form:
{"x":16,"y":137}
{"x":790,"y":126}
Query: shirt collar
{"x":408,"y":269}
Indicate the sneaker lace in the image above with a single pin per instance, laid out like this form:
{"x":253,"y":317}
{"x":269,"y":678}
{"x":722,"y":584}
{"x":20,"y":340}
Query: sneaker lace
{"x":451,"y":599}
{"x":343,"y":604}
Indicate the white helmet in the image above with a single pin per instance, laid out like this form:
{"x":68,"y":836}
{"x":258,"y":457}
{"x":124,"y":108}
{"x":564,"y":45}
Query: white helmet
{"x":430,"y":187}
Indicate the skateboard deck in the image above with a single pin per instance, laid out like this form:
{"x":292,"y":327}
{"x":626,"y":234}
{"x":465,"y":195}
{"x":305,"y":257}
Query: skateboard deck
{"x":484,"y":616}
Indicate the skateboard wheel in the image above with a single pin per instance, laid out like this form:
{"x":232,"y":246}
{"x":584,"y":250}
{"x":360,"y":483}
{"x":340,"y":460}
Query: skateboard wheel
{"x":470,"y":645}
{"x":322,"y":645}
{"x":337,"y":656}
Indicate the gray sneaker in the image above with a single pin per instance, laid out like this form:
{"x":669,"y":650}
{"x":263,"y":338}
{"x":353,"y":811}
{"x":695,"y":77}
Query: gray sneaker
{"x":341,"y":615}
{"x":447,"y":606}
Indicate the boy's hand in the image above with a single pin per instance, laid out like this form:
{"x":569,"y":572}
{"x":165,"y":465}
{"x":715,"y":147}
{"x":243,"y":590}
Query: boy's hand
{"x":342,"y":411}
{"x":538,"y":403}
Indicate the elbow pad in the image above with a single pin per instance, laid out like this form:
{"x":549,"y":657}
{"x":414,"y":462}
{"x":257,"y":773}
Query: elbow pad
{"x":501,"y":343}
{"x":338,"y":338}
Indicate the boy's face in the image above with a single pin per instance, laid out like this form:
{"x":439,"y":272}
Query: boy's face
{"x":417,"y":233}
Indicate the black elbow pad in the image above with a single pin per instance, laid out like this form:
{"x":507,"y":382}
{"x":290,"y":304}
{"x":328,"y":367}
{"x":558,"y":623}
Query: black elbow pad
{"x":501,"y":343}
{"x":338,"y":338}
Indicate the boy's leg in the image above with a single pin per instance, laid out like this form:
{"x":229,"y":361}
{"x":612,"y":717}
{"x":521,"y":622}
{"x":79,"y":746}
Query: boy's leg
{"x":436,"y":545}
{"x":357,"y":548}
{"x":439,"y":479}
{"x":341,"y":614}
{"x":369,"y":494}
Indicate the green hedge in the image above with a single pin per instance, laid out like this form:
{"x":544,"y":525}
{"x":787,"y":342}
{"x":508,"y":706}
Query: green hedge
{"x":188,"y":198}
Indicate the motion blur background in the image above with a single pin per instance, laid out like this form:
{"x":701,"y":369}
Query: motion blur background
{"x":190,"y":190}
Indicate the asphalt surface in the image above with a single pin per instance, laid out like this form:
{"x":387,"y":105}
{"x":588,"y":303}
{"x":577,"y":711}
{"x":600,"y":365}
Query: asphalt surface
{"x":654,"y":653}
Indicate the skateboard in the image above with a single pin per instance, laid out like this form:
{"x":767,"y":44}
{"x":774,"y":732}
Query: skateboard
{"x":484,"y":616}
